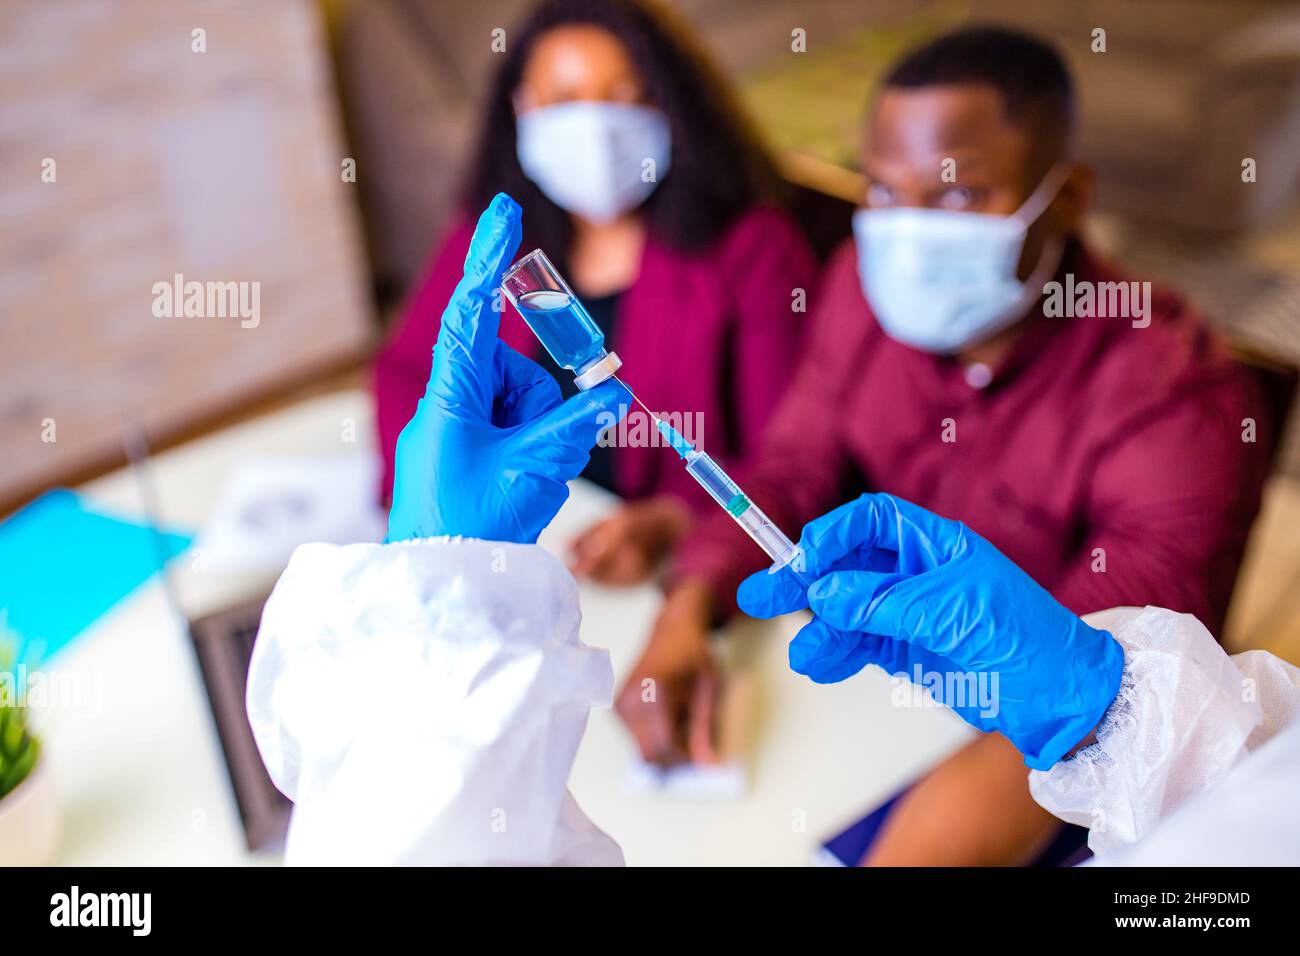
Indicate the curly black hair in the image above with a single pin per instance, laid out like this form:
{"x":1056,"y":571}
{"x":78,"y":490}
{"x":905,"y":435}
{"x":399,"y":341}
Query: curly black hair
{"x":720,"y":167}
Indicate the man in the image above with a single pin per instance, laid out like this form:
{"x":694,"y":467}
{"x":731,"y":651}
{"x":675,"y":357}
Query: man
{"x":968,"y":353}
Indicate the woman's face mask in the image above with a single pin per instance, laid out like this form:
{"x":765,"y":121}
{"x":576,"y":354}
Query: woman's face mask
{"x":593,"y":159}
{"x":940,"y":280}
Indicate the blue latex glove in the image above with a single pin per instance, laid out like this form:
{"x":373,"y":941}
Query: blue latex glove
{"x":902,"y":588}
{"x":491,"y":448}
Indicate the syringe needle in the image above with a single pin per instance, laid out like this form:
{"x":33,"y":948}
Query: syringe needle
{"x":652,"y":415}
{"x":784,"y":552}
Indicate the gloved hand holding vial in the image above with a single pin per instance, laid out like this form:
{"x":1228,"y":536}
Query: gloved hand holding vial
{"x":567,"y":331}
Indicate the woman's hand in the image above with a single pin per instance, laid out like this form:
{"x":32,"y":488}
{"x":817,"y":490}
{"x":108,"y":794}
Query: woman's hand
{"x":669,"y":699}
{"x":627,"y":547}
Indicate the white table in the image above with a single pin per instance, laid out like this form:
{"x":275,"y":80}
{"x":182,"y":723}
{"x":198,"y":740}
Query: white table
{"x":143,"y":780}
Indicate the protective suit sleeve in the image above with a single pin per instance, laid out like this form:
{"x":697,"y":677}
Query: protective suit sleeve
{"x":422,"y":702}
{"x":1185,"y":715}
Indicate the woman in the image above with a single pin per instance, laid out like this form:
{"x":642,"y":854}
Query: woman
{"x":645,"y":186}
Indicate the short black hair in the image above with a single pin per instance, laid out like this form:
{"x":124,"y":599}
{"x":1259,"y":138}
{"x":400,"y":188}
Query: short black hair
{"x":720,"y":166}
{"x":1028,"y":74}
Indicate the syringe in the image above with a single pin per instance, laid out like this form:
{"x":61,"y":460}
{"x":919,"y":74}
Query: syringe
{"x":564,"y":327}
{"x":736,"y":503}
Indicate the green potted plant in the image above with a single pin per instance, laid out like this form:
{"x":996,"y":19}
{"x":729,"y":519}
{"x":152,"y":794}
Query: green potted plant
{"x":29,"y":821}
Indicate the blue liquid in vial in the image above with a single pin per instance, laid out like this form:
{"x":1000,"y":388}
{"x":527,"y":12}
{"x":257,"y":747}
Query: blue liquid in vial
{"x":564,"y":327}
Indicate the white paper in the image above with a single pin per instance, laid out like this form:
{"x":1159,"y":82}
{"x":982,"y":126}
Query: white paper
{"x":725,"y":782}
{"x":269,"y":506}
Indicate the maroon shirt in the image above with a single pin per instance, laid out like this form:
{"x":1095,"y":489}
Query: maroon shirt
{"x":711,"y":332}
{"x":1091,"y":434}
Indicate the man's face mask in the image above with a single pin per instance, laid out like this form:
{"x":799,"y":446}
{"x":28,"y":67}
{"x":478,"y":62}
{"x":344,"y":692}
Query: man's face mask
{"x":595,"y":160}
{"x":940,"y":280}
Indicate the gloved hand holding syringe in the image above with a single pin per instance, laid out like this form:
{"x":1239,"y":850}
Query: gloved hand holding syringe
{"x":575,"y":341}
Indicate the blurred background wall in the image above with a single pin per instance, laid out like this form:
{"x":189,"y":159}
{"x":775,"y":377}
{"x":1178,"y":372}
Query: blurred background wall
{"x":128,"y":156}
{"x":1184,"y":90}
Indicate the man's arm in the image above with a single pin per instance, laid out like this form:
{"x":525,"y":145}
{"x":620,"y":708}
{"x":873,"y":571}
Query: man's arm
{"x":974,"y":809}
{"x":1171,"y":502}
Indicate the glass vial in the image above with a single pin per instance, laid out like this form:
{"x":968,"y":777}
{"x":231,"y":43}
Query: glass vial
{"x":561,"y":323}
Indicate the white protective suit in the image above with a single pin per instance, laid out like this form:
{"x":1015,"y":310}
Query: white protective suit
{"x":422,"y":703}
{"x":1197,"y":762}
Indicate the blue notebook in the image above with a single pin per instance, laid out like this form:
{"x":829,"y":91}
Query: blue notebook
{"x":62,"y":566}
